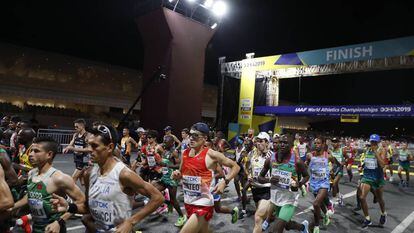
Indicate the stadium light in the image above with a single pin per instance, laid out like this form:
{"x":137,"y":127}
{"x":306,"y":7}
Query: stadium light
{"x":220,"y":8}
{"x":214,"y":26}
{"x":191,"y":1}
{"x":171,"y":0}
{"x":208,"y":3}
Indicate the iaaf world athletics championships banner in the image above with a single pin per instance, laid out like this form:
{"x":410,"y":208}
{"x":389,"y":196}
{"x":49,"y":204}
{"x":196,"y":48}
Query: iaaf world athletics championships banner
{"x":362,"y":110}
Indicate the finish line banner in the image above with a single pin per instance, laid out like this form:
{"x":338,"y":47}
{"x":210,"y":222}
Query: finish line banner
{"x":361,"y":110}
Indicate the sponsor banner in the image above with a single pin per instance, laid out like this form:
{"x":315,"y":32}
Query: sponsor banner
{"x":349,"y":118}
{"x":361,"y":110}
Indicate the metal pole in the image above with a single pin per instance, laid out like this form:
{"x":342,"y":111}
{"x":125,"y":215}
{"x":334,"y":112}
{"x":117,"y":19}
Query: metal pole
{"x":299,"y":92}
{"x":222,"y":60}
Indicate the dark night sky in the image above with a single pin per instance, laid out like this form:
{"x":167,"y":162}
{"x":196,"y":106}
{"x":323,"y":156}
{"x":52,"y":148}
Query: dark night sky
{"x":105,"y":31}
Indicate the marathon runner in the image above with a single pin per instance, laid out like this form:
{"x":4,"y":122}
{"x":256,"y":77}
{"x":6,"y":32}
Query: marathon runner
{"x":318,"y":161}
{"x":387,"y":158}
{"x":186,"y":139}
{"x":373,"y":178}
{"x":350,"y":153}
{"x":244,"y":162}
{"x":285,"y":185}
{"x":196,"y":172}
{"x":167,"y":132}
{"x":78,"y":145}
{"x":303,"y":148}
{"x":126,"y":146}
{"x":110,"y":185}
{"x":44,"y":181}
{"x":337,"y":169}
{"x":260,"y":192}
{"x":240,"y":180}
{"x":6,"y":200}
{"x":404,"y":158}
{"x":170,"y":162}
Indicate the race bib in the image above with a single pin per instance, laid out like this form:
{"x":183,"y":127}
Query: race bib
{"x":371,"y":163}
{"x":191,"y":188}
{"x":165,"y":170}
{"x":86,"y":159}
{"x":102,"y":211}
{"x":151,"y":161}
{"x":339,"y":159}
{"x":256,"y":172}
{"x":285,"y":178}
{"x":403,"y":157}
{"x":349,"y":155}
{"x":319,"y":174}
{"x":36,"y":208}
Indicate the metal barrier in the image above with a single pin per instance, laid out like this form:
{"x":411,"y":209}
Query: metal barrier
{"x":62,"y":136}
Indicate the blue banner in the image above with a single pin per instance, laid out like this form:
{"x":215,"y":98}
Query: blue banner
{"x":334,"y":111}
{"x":372,"y":50}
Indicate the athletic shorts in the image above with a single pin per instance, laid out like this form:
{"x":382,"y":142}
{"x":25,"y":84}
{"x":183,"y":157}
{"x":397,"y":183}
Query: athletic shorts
{"x":206,"y":211}
{"x":375,"y":184}
{"x":126,"y":159}
{"x":261,"y":194}
{"x":80,"y":165}
{"x":315,"y":189}
{"x":405,"y":165}
{"x":285,"y":212}
{"x":350,"y":161}
{"x":339,"y":171}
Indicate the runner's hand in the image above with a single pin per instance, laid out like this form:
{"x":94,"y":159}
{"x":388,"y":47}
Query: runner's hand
{"x":67,"y":149}
{"x":125,"y":227}
{"x":219,"y":189}
{"x":274,"y":180}
{"x":54,"y":227}
{"x":59,"y":204}
{"x":176,"y":175}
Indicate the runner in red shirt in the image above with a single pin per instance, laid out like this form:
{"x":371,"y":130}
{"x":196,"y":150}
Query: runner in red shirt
{"x":196,"y":168}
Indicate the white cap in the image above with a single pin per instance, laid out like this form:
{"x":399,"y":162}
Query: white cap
{"x":264,"y":135}
{"x":140,"y":130}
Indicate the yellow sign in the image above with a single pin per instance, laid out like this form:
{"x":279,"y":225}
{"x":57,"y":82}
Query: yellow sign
{"x":349,"y":118}
{"x":247,"y":85}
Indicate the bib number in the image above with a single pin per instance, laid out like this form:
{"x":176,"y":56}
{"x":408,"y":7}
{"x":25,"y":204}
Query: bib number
{"x":36,"y":208}
{"x":86,"y":159}
{"x":102,"y":211}
{"x":151,"y":161}
{"x":165,"y":170}
{"x":284,"y":178}
{"x":319,"y":174}
{"x":256,"y":172}
{"x":371,"y":163}
{"x":191,"y":187}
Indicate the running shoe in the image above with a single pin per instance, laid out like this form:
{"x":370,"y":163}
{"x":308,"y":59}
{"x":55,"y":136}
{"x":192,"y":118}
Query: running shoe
{"x":341,"y":200}
{"x":305,"y":225}
{"x":162,"y":209}
{"x":331,"y":209}
{"x":366,"y":223}
{"x":234,"y":215}
{"x":181,"y":221}
{"x":242,"y":214}
{"x":303,"y":191}
{"x":383,"y":219}
{"x":326,"y":220}
{"x":316,"y":229}
{"x":265,"y":225}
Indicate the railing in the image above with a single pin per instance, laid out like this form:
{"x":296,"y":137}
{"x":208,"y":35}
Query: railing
{"x":62,"y":136}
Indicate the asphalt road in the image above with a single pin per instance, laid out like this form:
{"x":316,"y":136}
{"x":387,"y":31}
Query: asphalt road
{"x":399,"y":204}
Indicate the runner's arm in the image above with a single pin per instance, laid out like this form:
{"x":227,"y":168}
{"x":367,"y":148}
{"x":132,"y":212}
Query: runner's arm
{"x":6,"y":200}
{"x":301,"y":169}
{"x":66,"y":184}
{"x":177,"y":141}
{"x":70,"y":146}
{"x":20,"y":203}
{"x":264,"y":171}
{"x":131,"y":181}
{"x":177,"y":161}
{"x":222,"y":160}
{"x":9,"y":172}
{"x":380,"y":155}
